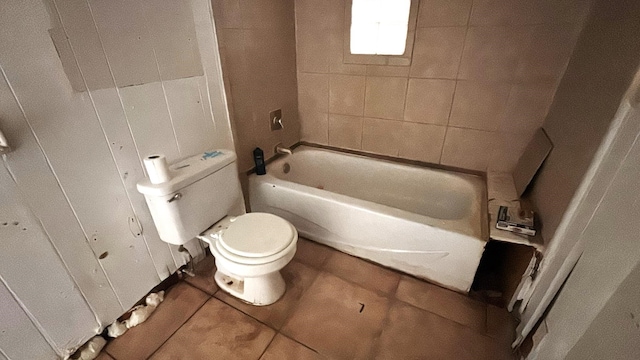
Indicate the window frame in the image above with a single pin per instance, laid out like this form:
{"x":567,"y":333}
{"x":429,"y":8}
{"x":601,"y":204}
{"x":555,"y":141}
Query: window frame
{"x":395,"y":60}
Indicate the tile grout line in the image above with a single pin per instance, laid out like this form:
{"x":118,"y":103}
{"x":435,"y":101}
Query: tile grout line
{"x":180,"y":327}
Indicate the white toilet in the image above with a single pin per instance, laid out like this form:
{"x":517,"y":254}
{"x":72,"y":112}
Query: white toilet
{"x":249,"y":250}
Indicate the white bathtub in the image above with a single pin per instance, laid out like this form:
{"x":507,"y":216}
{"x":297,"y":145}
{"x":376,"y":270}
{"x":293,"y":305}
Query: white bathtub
{"x":426,"y":222}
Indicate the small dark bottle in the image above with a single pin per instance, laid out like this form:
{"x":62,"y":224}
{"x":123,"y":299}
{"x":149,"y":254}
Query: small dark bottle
{"x":258,"y":158}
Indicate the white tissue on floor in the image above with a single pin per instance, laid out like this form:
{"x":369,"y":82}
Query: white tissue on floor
{"x":91,"y":349}
{"x":116,"y":329}
{"x":141,"y":313}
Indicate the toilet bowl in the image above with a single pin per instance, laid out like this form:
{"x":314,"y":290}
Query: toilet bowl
{"x":249,"y":251}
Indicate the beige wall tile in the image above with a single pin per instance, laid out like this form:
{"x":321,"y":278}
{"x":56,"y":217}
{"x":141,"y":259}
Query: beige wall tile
{"x":387,"y":70}
{"x":527,"y":107}
{"x":314,"y":127}
{"x":381,"y":136}
{"x":260,"y":14}
{"x":385,"y":97}
{"x":345,"y":131}
{"x":227,"y":14}
{"x":429,"y":101}
{"x":444,"y":12}
{"x":479,"y":105}
{"x":437,"y":52}
{"x":313,"y":49}
{"x":346,"y":94}
{"x":525,"y":12}
{"x":326,"y":14}
{"x":313,"y":92}
{"x":467,"y":148}
{"x":422,"y":142}
{"x":547,"y":52}
{"x":492,"y":53}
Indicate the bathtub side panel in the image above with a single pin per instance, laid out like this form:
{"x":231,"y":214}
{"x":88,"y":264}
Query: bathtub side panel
{"x":442,"y":256}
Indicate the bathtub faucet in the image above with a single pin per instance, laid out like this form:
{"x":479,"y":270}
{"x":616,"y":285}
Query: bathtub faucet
{"x":282,"y":150}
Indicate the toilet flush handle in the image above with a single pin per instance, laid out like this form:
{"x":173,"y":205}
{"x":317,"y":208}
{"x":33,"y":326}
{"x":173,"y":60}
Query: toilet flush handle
{"x":175,"y":197}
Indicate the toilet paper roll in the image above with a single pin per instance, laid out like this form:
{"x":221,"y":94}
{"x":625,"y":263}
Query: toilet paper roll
{"x":157,"y":169}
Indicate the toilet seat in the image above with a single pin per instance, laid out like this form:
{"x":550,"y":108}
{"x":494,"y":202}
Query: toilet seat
{"x":256,"y":238}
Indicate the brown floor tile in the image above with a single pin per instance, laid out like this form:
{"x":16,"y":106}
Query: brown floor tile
{"x":104,"y":356}
{"x":331,"y":319}
{"x":311,"y":253}
{"x":365,"y":274}
{"x":298,"y":278}
{"x":203,"y":280}
{"x":413,"y":333}
{"x":283,"y":348}
{"x":446,"y":303}
{"x":500,"y":324}
{"x":181,"y":301}
{"x":217,"y":331}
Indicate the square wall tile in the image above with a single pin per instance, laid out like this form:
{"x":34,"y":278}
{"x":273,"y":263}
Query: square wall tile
{"x":388,"y":70}
{"x":492,"y":53}
{"x":314,"y":127}
{"x":381,"y":136}
{"x":422,"y":142}
{"x":479,"y":105}
{"x":345,"y":131}
{"x":313,"y":49}
{"x":227,"y":14}
{"x":346,"y":94}
{"x":444,"y":13}
{"x":338,"y":319}
{"x":313,"y":92}
{"x":437,"y":52}
{"x":385,"y":97}
{"x":527,"y":107}
{"x":467,"y":148}
{"x":429,"y":101}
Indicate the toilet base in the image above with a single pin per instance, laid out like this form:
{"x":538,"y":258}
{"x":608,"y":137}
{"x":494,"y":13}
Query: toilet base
{"x":260,"y":291}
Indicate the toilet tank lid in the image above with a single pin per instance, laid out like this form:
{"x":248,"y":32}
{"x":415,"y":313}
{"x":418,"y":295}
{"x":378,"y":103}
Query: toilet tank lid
{"x":187,"y":171}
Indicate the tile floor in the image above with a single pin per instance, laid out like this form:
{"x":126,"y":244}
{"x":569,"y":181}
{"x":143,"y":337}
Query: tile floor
{"x":336,"y":307}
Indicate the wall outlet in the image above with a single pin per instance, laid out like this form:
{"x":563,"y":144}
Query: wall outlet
{"x":275,"y":120}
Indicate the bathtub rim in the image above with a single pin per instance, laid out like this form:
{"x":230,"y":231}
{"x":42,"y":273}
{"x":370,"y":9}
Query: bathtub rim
{"x":481,"y":175}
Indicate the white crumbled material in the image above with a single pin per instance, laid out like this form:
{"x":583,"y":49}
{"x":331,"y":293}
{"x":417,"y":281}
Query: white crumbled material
{"x":91,"y":349}
{"x":116,"y":329}
{"x":141,"y":313}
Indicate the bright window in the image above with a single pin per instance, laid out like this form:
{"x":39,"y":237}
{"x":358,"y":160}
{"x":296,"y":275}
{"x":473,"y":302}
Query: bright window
{"x":379,"y":27}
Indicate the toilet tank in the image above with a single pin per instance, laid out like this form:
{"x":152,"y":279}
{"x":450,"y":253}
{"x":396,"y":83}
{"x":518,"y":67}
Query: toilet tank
{"x":202,"y":190}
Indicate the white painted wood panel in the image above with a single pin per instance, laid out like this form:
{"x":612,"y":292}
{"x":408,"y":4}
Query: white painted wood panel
{"x":170,"y":24}
{"x":128,"y":45}
{"x":194,"y":131}
{"x":41,"y":278}
{"x":70,"y":135}
{"x":149,"y":119}
{"x":16,"y":329}
{"x":87,"y":48}
{"x":43,"y":195}
{"x":207,"y":42}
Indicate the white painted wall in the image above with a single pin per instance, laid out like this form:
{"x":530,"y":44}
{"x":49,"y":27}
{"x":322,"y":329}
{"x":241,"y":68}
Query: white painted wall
{"x":597,"y":297}
{"x":147,"y":79}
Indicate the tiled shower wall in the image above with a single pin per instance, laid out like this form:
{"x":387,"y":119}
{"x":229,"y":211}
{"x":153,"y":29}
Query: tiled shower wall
{"x":257,"y":46}
{"x":481,"y":80}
